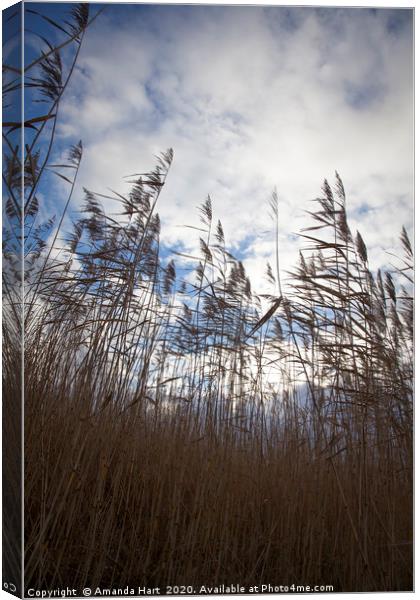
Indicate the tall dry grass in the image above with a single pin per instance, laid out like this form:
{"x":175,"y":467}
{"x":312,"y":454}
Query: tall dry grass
{"x":158,"y":451}
{"x":183,"y":430}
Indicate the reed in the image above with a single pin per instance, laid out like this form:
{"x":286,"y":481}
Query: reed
{"x":157,"y":449}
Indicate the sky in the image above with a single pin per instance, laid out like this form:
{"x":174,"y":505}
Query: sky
{"x":251,"y":99}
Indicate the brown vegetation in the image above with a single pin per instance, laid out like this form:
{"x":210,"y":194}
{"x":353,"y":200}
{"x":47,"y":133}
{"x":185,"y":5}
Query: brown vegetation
{"x":156,"y":450}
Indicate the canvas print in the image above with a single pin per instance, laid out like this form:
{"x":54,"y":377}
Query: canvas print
{"x":207,"y":299}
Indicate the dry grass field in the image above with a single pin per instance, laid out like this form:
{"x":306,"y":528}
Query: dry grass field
{"x":158,"y":451}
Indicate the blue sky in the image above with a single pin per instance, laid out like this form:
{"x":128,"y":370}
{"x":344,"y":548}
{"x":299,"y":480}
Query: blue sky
{"x":250,"y":98}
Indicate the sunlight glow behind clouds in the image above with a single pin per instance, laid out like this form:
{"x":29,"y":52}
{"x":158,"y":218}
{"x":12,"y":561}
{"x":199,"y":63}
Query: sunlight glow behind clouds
{"x":251,"y":98}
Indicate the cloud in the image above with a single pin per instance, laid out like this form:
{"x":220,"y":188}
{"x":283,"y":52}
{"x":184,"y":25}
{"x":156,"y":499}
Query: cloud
{"x":251,"y":98}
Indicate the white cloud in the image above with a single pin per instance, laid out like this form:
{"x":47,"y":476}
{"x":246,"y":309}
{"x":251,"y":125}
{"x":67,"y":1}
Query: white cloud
{"x":250,"y":98}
